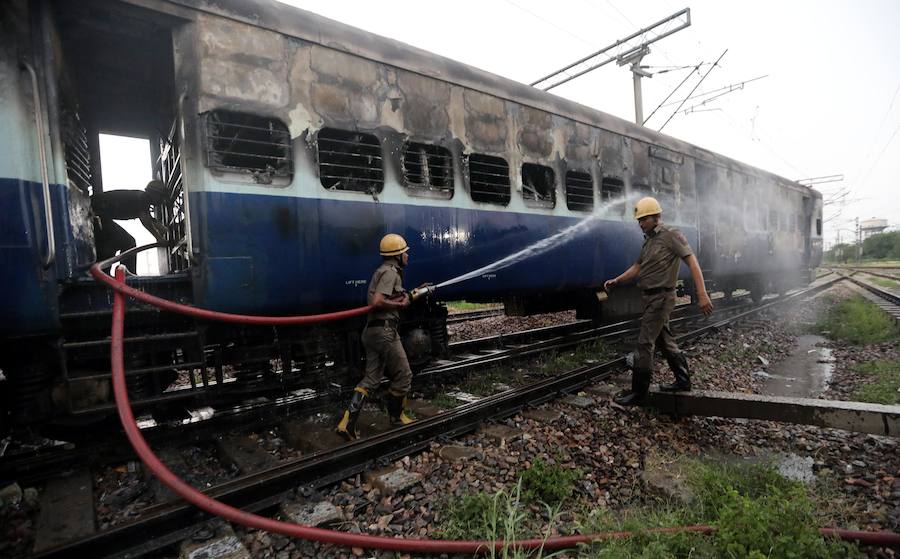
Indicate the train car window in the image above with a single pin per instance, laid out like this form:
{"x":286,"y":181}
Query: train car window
{"x":248,"y":144}
{"x":579,"y":191}
{"x":773,"y":220}
{"x":611,"y":188}
{"x":539,"y":185}
{"x":489,"y":179}
{"x":350,"y":160}
{"x":427,"y":167}
{"x":818,"y":227}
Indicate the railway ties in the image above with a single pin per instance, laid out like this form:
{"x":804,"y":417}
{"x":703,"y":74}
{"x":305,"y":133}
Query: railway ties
{"x":267,"y":489}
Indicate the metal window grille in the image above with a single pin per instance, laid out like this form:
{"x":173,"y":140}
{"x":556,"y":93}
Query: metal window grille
{"x":428,"y":167}
{"x":611,"y":188}
{"x":78,"y":156}
{"x":350,"y":161}
{"x":248,"y":144}
{"x":579,"y":191}
{"x":539,"y":184}
{"x":489,"y":179}
{"x":171,"y":213}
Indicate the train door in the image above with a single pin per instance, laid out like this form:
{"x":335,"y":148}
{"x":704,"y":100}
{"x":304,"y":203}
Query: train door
{"x":115,"y":68}
{"x":707,"y":199}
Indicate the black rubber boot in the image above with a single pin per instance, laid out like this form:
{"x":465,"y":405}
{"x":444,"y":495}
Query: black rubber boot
{"x":347,"y":426}
{"x":678,"y":364}
{"x":640,"y":383}
{"x":396,"y":410}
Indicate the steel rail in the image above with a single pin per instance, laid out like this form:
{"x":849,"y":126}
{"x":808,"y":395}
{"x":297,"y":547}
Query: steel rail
{"x":264,"y":490}
{"x":886,"y":295}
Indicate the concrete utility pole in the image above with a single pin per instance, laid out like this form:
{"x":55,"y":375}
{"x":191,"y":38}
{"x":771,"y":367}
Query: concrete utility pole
{"x":631,"y":50}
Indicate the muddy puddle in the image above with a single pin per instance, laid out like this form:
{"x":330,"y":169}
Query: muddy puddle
{"x":804,"y":374}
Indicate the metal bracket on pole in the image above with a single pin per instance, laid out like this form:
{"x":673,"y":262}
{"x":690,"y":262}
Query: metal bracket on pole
{"x":631,"y":45}
{"x":634,"y":58}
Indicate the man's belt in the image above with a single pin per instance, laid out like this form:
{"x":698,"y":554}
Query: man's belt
{"x":382,"y":322}
{"x":656,"y":290}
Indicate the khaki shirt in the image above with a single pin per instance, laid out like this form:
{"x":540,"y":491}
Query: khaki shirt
{"x":387,"y":280}
{"x":661,"y":257}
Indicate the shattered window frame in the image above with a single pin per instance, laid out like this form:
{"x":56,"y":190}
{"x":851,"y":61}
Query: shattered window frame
{"x":488,"y":179}
{"x":353,"y":161}
{"x":258,"y":147}
{"x":538,"y":185}
{"x":608,"y":184}
{"x":427,"y":169}
{"x":579,"y":191}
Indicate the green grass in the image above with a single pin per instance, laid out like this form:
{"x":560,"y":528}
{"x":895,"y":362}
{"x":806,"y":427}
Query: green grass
{"x":483,"y":383}
{"x":499,"y":516}
{"x":467,"y":306}
{"x":883,"y":387}
{"x":884,"y":282}
{"x":558,"y":362}
{"x":757,"y":513}
{"x":445,"y":402}
{"x":857,"y":321}
{"x":550,"y":484}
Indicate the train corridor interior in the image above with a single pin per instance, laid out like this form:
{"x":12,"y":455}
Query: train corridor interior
{"x":115,"y":69}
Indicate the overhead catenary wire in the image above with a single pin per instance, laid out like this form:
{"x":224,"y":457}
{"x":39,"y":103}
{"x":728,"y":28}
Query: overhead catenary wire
{"x":711,"y":68}
{"x":686,"y":78}
{"x":730,"y":87}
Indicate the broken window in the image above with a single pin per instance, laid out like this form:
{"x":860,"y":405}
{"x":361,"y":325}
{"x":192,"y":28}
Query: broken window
{"x":248,"y":144}
{"x":539,"y":184}
{"x":428,"y":167}
{"x":489,"y":179}
{"x":611,"y":188}
{"x":350,"y":161}
{"x":579,"y":191}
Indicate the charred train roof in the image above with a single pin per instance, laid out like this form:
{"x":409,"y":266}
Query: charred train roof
{"x":294,"y":22}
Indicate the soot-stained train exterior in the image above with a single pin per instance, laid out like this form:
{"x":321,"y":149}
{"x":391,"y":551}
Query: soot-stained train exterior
{"x":289,"y":145}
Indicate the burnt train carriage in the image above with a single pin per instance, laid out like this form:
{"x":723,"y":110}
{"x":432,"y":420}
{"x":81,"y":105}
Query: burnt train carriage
{"x":289,"y":144}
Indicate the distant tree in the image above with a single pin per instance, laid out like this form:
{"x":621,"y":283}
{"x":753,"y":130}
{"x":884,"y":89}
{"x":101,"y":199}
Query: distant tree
{"x":882,"y":245}
{"x":841,"y":253}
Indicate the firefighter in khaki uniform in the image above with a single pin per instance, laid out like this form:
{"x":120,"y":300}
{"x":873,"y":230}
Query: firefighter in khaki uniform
{"x":657,"y":271}
{"x":384,"y":352}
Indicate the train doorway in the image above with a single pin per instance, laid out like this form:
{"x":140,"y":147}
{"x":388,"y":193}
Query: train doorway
{"x":115,"y":71}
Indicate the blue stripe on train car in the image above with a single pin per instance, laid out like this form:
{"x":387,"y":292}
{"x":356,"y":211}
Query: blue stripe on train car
{"x":29,"y":304}
{"x":281,"y":255}
{"x":29,"y":300}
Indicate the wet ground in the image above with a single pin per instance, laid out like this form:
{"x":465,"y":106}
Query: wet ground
{"x":805,"y":373}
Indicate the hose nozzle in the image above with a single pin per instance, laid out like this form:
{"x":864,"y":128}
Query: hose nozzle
{"x":421,"y":291}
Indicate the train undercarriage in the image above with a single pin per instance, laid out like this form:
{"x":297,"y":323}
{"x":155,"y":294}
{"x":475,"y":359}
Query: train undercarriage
{"x":175,"y":362}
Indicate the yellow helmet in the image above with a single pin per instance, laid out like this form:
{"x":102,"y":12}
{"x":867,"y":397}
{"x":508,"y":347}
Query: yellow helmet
{"x":393,"y":244}
{"x":646,"y":206}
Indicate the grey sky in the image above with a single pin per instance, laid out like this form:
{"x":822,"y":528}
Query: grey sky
{"x":832,"y":66}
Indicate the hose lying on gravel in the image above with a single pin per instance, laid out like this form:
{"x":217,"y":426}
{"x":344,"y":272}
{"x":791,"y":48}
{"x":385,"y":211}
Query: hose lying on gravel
{"x":251,"y":520}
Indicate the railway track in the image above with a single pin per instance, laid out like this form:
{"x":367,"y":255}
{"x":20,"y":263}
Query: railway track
{"x":479,"y":314}
{"x":263,"y":490}
{"x":203,"y":424}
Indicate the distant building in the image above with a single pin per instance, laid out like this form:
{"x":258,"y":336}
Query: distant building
{"x":871,"y":227}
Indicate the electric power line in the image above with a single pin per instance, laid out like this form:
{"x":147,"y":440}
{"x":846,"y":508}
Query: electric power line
{"x":696,"y":68}
{"x":716,"y":63}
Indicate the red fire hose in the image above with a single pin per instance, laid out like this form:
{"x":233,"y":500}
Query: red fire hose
{"x":250,"y":520}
